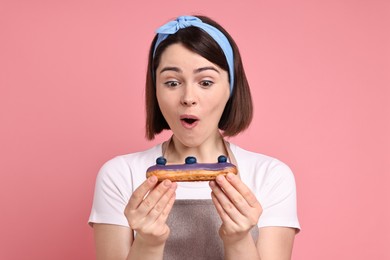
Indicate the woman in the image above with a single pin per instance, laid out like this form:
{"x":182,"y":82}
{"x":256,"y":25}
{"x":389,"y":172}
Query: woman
{"x":196,"y":87}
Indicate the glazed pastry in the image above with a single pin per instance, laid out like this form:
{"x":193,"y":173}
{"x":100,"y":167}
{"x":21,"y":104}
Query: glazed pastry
{"x":191,"y":170}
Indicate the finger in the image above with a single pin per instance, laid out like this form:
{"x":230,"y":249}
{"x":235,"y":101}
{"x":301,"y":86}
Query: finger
{"x":221,"y":212}
{"x":234,"y":196}
{"x":140,"y":193}
{"x":159,"y":226}
{"x":228,"y":207}
{"x":245,"y":192}
{"x":163,"y":203}
{"x":153,"y":197}
{"x":165,"y":213}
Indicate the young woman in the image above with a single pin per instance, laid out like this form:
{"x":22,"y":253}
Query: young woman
{"x":196,"y":87}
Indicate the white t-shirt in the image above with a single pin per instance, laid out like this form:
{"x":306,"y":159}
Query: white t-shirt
{"x":270,"y":180}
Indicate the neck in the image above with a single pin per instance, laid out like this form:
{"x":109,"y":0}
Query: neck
{"x":207,"y":152}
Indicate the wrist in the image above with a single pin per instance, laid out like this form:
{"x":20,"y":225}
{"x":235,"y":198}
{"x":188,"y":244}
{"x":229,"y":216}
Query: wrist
{"x":149,"y":243}
{"x":143,"y":249}
{"x":240,"y":248}
{"x":237,"y":240}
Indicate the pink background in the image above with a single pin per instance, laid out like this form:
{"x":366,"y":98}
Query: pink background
{"x":72,"y":78}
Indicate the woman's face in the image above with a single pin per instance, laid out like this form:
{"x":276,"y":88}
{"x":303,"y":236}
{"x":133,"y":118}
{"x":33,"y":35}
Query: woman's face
{"x":192,"y":93}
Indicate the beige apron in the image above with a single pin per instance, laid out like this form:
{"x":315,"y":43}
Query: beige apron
{"x":194,"y":226}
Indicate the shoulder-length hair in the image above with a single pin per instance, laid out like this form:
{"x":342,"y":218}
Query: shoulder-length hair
{"x":238,"y":111}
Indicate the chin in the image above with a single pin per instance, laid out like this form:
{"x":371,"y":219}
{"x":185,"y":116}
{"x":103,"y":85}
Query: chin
{"x":189,"y":140}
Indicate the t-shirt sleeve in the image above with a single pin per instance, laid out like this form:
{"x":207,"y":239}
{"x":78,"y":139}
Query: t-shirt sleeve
{"x":112,"y":192}
{"x":278,"y":198}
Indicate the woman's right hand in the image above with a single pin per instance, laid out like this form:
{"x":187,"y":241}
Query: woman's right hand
{"x":148,"y":210}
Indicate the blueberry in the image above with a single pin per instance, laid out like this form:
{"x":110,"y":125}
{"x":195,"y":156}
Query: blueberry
{"x":190,"y":160}
{"x":161,"y":161}
{"x":222,"y":159}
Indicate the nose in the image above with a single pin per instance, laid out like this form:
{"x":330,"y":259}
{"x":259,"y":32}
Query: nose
{"x":188,"y":97}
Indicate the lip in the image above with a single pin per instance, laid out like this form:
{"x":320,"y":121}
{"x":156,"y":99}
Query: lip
{"x":186,"y":124}
{"x":189,"y":117}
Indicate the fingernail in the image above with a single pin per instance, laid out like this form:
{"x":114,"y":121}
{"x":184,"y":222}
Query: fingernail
{"x":153,"y":179}
{"x":174,"y":185}
{"x":212,"y":184}
{"x":230,"y":176}
{"x":167,"y":183}
{"x":219,"y":178}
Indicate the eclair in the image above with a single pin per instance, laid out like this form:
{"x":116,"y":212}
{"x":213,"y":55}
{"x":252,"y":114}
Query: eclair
{"x":190,"y":170}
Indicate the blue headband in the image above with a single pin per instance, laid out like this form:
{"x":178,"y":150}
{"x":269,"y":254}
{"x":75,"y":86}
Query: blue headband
{"x":186,"y":21}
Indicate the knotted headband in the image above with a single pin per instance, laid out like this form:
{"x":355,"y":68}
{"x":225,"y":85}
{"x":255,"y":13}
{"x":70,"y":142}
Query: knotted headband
{"x":186,"y":21}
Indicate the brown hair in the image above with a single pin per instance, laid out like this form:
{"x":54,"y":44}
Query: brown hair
{"x":238,"y":111}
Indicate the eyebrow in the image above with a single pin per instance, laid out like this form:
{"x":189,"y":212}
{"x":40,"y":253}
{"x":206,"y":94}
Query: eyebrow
{"x":178,"y":70}
{"x":175,"y":69}
{"x":205,"y":68}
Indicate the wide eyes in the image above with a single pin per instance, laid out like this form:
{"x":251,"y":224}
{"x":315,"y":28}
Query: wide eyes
{"x":203,"y":83}
{"x":206,"y":83}
{"x":172,"y":83}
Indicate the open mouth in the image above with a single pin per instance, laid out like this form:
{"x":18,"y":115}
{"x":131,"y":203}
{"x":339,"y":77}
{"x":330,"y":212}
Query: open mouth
{"x":189,"y":120}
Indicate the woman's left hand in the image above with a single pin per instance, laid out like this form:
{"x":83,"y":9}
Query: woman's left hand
{"x":236,"y":205}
